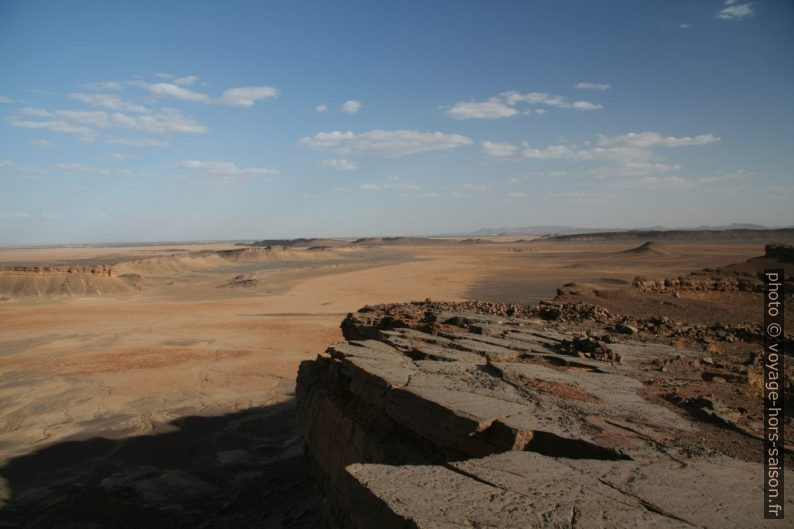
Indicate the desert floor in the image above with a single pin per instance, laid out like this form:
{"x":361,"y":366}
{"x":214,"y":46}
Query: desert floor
{"x":131,"y":365}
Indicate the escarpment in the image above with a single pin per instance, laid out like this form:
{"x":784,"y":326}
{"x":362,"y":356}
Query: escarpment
{"x":442,"y":415}
{"x":65,"y":281}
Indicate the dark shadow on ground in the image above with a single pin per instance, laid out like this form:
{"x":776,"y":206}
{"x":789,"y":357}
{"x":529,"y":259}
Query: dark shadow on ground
{"x":243,"y":469}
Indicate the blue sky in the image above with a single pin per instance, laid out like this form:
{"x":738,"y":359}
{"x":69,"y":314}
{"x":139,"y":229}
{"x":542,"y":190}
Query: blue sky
{"x":146,"y":121}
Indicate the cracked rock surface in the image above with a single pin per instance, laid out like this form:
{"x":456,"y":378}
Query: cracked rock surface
{"x":430,"y":416}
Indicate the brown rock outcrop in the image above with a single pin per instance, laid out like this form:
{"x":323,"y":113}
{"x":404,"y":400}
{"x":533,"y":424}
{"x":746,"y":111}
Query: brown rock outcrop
{"x":433,"y":415}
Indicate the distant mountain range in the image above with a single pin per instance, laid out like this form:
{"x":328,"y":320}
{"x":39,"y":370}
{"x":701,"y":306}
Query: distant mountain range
{"x":572,"y":230}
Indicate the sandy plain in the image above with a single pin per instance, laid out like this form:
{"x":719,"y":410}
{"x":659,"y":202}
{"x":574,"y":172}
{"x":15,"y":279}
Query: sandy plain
{"x":124,"y":365}
{"x":196,"y":341}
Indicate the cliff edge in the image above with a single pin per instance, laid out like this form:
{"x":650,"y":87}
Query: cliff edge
{"x":448,"y":415}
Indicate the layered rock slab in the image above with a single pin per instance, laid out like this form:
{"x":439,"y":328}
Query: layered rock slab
{"x":444,"y":419}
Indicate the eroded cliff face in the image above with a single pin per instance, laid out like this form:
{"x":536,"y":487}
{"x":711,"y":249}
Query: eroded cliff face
{"x":65,"y":281}
{"x":457,"y":415}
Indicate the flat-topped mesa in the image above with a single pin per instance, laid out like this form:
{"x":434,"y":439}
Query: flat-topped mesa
{"x":66,"y":281}
{"x":97,"y":270}
{"x":442,"y":415}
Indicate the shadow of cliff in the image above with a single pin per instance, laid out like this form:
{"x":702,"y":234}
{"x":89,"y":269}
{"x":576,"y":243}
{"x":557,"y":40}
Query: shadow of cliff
{"x":243,"y":469}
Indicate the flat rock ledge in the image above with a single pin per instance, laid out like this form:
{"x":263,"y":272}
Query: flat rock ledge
{"x":434,"y":418}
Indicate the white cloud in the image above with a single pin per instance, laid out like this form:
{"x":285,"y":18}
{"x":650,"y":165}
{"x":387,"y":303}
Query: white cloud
{"x":31,"y":111}
{"x":220,"y":173}
{"x":5,"y":100}
{"x":630,"y":155}
{"x":88,"y":169}
{"x":593,"y":86}
{"x":107,"y":101}
{"x":41,"y":143}
{"x":148,"y":142}
{"x":498,"y":149}
{"x":350,"y":106}
{"x":516,"y":194}
{"x":644,"y":140}
{"x":106,"y":85}
{"x":390,"y":186}
{"x":684,"y":26}
{"x":586,"y":105}
{"x":162,"y":75}
{"x":734,"y":11}
{"x":177,"y":92}
{"x":121,"y":156}
{"x":320,"y":109}
{"x":55,"y":126}
{"x":542,"y":98}
{"x":186,"y":81}
{"x":534,"y":98}
{"x":245,"y":96}
{"x":494,"y":108}
{"x":84,"y":123}
{"x":385,"y":143}
{"x":505,"y":105}
{"x":340,"y":164}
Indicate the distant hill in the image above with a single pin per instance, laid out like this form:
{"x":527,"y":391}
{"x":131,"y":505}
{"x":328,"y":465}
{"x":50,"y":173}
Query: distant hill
{"x":767,"y":235}
{"x":535,"y":230}
{"x":650,"y":248}
{"x":301,"y":243}
{"x":552,"y":229}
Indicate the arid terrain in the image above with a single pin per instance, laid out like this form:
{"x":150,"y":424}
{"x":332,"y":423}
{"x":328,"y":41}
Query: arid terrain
{"x":119,"y":362}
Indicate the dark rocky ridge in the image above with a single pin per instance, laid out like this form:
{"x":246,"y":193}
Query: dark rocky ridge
{"x":780,"y":234}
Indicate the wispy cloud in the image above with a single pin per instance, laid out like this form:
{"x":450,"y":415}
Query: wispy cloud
{"x":105,"y":85}
{"x":350,"y":106}
{"x":507,"y":105}
{"x":629,"y":155}
{"x":5,"y":100}
{"x":493,"y":108}
{"x":644,"y":140}
{"x":176,"y":92}
{"x":54,"y":125}
{"x":500,"y":150}
{"x":390,"y":186}
{"x":146,"y":142}
{"x":593,"y":86}
{"x":385,"y":143}
{"x":33,"y":111}
{"x":340,"y":164}
{"x":78,"y":168}
{"x":220,"y":173}
{"x":186,"y":81}
{"x":735,"y":11}
{"x":108,"y":101}
{"x":245,"y":96}
{"x":85,"y":123}
{"x":41,"y":143}
{"x":321,"y":108}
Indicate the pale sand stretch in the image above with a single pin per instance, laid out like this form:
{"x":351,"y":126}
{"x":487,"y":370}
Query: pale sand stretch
{"x":126,"y":365}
